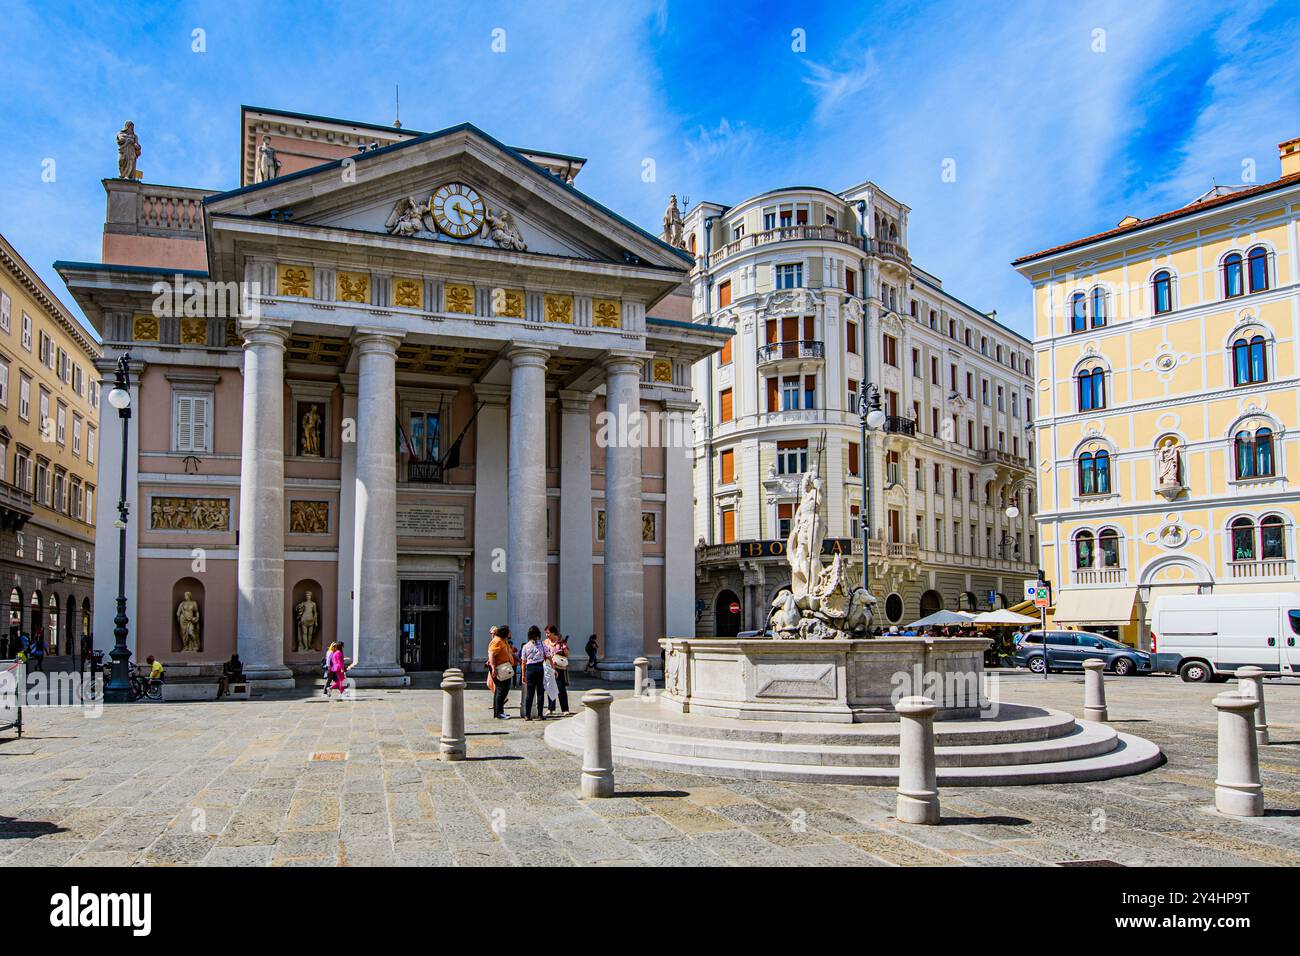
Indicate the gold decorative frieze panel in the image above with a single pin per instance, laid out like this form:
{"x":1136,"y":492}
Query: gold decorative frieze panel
{"x":293,"y":280}
{"x":457,"y":297}
{"x":352,"y":287}
{"x":232,"y":333}
{"x":144,"y":328}
{"x":559,"y":308}
{"x":606,"y":313}
{"x":309,"y":517}
{"x":194,"y":331}
{"x":508,"y":303}
{"x":662,"y":371}
{"x":408,"y":293}
{"x":189,"y":514}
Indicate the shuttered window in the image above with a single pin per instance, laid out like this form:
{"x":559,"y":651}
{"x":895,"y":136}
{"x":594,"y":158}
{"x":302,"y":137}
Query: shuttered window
{"x":192,"y":422}
{"x":724,"y":405}
{"x":724,"y":295}
{"x":728,"y":463}
{"x":724,"y":357}
{"x":728,"y":526}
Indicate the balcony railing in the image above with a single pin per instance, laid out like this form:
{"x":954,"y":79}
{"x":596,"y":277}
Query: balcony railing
{"x":995,"y":456}
{"x":15,"y":502}
{"x":899,"y":425}
{"x":1263,"y":568}
{"x":1099,"y":575}
{"x":802,"y":349}
{"x":147,"y":209}
{"x":891,"y":250}
{"x":785,"y":234}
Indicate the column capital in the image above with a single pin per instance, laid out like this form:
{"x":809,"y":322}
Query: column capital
{"x":573,"y":400}
{"x":384,"y":341}
{"x":492,"y":394}
{"x":524,"y":355}
{"x":262,"y":332}
{"x":348,"y":382}
{"x":616,"y":362}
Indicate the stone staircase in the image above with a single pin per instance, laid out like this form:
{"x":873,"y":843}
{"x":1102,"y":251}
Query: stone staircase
{"x":1018,"y":745}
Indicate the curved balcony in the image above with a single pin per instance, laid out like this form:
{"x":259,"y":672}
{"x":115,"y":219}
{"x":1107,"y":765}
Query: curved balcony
{"x":801,"y":350}
{"x":887,"y":249}
{"x":786,"y":234}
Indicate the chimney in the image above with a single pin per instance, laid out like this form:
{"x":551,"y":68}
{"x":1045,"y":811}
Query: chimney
{"x":1289,"y":154}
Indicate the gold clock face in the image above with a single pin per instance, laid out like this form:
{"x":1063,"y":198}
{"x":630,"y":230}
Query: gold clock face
{"x":457,"y":210}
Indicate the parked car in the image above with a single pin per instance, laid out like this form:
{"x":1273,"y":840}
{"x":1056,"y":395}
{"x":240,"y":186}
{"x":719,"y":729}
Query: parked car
{"x":1206,"y":637}
{"x":1067,"y":650}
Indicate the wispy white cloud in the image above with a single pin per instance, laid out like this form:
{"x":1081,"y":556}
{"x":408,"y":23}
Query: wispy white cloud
{"x":836,"y":87}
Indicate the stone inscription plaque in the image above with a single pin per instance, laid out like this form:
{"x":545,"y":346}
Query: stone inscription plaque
{"x":431,"y":521}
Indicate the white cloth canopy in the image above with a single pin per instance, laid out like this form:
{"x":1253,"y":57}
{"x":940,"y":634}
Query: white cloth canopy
{"x":1003,"y":616}
{"x":943,"y":619}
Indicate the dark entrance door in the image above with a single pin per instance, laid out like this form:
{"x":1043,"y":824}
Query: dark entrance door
{"x":425,"y":638}
{"x":727,"y":615}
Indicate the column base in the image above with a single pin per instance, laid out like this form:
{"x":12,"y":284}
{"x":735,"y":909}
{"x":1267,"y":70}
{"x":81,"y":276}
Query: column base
{"x":616,"y":670}
{"x":269,"y":678}
{"x":380,"y":675}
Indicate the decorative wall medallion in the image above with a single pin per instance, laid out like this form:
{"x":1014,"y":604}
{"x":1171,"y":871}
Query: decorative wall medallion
{"x":508,"y":303}
{"x":458,"y":298}
{"x":294,"y":280}
{"x":1165,"y":361}
{"x":606,"y":313}
{"x":352,"y":287}
{"x":309,"y":517}
{"x":194,"y":331}
{"x":311,"y":424}
{"x":189,"y":514}
{"x":559,"y":308}
{"x":144,"y":328}
{"x":663,"y":371}
{"x":408,"y":293}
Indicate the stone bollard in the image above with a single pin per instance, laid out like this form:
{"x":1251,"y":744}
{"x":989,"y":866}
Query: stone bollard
{"x":918,"y":794}
{"x":1237,"y":789}
{"x":598,"y":749}
{"x":1250,"y":683}
{"x":640,"y":675}
{"x":1094,"y":689}
{"x":451,"y":745}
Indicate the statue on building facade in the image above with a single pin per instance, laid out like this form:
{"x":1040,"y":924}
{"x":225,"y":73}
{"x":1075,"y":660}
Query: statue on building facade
{"x":674,"y":228}
{"x":128,"y":151}
{"x":311,"y":426}
{"x":187,"y":616}
{"x":501,"y":229}
{"x":307,"y":615}
{"x":268,"y":165}
{"x":407,"y":217}
{"x":1169,"y":482}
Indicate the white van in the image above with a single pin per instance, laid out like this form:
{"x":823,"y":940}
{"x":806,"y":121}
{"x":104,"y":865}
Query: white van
{"x":1204,"y":637}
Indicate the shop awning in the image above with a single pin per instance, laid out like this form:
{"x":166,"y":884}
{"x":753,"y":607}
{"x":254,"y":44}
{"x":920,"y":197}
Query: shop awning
{"x":1095,"y":606}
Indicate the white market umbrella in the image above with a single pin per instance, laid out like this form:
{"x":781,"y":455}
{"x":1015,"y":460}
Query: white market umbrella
{"x":1001,"y":617}
{"x":943,"y":619}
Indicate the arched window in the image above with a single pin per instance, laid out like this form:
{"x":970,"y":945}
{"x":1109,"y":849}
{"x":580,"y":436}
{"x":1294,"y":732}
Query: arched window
{"x":1232,"y":286}
{"x":1098,"y":307}
{"x":1092,"y":389}
{"x":1258,"y":262}
{"x":1254,"y":453}
{"x":1162,"y":290}
{"x":1094,"y":473}
{"x":1078,"y":312}
{"x":1244,"y":453}
{"x":1243,"y":539}
{"x":1083,"y":549}
{"x":1108,"y":545}
{"x":1272,"y":537}
{"x":1264,"y":452}
{"x":1249,"y":361}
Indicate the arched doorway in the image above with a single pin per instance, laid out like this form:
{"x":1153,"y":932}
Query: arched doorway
{"x":36,"y":626}
{"x":726,"y":614}
{"x":53,"y":632}
{"x":931,"y":601}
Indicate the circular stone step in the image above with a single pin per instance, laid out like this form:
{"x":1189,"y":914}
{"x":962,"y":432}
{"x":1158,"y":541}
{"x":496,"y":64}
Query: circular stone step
{"x":1021,"y":745}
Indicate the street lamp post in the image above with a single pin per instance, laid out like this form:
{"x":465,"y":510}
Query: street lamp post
{"x":118,"y":690}
{"x":870,"y":416}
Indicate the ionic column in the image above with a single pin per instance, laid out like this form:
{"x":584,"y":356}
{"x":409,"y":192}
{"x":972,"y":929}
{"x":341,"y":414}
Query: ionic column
{"x":526,"y":577}
{"x":260,"y":609}
{"x":576,"y":599}
{"x":375,"y":505}
{"x":624,"y":576}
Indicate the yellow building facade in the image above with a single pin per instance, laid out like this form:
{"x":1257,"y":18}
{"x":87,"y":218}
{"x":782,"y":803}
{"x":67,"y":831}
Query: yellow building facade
{"x":1168,"y":405}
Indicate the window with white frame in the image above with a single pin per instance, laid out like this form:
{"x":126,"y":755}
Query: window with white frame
{"x":789,"y":276}
{"x":90,"y":445}
{"x":61,"y":423}
{"x":27,"y":332}
{"x":40,"y":549}
{"x":191,"y":421}
{"x":47,"y":350}
{"x":19,"y":541}
{"x":76,"y":435}
{"x":792,"y":460}
{"x":24,"y":397}
{"x":4,"y":383}
{"x":6,"y":309}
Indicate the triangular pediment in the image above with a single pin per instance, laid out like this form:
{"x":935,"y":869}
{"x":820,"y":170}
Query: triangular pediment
{"x":459,"y":186}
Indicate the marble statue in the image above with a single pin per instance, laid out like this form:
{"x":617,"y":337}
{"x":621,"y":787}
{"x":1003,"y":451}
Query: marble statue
{"x":407,"y":217}
{"x":268,"y":165}
{"x":822,"y":602}
{"x":307,"y":615}
{"x":187,"y":615}
{"x":128,"y":151}
{"x":673,"y":233}
{"x":1169,"y":470}
{"x":311,"y":424}
{"x":501,"y":229}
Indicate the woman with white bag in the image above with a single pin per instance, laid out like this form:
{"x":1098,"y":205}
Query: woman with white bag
{"x":501,"y":669}
{"x":557,"y":670}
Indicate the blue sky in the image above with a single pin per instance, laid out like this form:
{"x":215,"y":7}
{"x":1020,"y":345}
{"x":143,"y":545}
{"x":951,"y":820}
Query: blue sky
{"x":1057,"y":130}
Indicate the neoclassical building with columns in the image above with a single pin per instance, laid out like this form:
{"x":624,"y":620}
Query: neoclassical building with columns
{"x":387,"y":392}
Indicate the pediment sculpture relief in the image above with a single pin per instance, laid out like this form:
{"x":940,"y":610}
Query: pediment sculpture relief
{"x":411,"y":216}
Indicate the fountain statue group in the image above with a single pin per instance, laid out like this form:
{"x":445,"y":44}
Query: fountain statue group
{"x":822,"y":603}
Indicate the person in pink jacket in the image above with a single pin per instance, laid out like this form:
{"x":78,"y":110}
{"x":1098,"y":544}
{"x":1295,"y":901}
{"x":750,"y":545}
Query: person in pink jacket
{"x":338,"y":667}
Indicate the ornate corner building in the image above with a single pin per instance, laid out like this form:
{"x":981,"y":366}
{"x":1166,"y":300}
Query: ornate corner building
{"x":823,"y":296}
{"x":1167,"y":393}
{"x":49,"y":420}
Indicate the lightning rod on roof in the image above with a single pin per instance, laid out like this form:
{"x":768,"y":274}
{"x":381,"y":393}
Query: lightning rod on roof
{"x":397,"y":110}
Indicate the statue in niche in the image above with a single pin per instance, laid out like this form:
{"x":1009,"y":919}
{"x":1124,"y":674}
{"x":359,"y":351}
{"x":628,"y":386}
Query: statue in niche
{"x":268,"y":165}
{"x":501,"y":229}
{"x":307,"y":615}
{"x":1169,"y":482}
{"x":311,"y":431}
{"x":128,"y":151}
{"x":187,"y":616}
